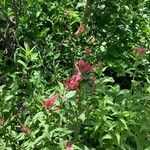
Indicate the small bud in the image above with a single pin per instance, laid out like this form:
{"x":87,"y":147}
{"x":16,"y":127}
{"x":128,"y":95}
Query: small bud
{"x":94,"y":80}
{"x":88,"y":51}
{"x":25,"y":129}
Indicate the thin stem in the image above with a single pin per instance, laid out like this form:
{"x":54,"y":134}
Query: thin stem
{"x":79,"y":111}
{"x":134,"y":75}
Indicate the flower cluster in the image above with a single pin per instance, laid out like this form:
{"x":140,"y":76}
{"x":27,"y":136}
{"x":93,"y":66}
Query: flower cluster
{"x":49,"y":102}
{"x":73,"y":82}
{"x":81,"y":67}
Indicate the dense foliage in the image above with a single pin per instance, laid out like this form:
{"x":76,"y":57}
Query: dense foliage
{"x":75,"y":75}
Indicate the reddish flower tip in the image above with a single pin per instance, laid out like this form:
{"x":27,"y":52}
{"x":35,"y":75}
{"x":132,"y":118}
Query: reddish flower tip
{"x":88,"y":51}
{"x":25,"y":129}
{"x":140,"y":51}
{"x":80,"y":30}
{"x":93,"y":79}
{"x":83,"y":67}
{"x":69,"y":145}
{"x":49,"y":102}
{"x":73,"y":82}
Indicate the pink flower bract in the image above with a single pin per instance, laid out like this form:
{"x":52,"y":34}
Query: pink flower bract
{"x":80,"y":30}
{"x":140,"y":51}
{"x":84,"y":67}
{"x":73,"y":82}
{"x":25,"y":129}
{"x":88,"y":51}
{"x":69,"y":145}
{"x":49,"y":102}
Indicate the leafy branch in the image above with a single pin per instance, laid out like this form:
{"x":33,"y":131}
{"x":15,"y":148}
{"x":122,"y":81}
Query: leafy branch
{"x":9,"y":24}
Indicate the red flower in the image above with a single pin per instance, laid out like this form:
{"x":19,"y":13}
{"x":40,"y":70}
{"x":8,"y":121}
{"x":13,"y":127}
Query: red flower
{"x":88,"y":51}
{"x":49,"y":102}
{"x":25,"y":129}
{"x":140,"y":51}
{"x":69,"y":145}
{"x":83,"y":67}
{"x":80,"y":30}
{"x":73,"y":82}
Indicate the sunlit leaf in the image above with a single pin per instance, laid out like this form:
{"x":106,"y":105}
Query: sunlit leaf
{"x":70,"y":94}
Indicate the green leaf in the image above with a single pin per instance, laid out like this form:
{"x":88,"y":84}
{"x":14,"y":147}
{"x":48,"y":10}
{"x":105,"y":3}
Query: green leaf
{"x":80,"y":4}
{"x":124,"y":122}
{"x":148,"y":148}
{"x":39,"y":116}
{"x":1,"y":89}
{"x":148,"y":89}
{"x":70,"y":94}
{"x":34,"y":56}
{"x":138,"y":143}
{"x":108,"y":79}
{"x":145,"y":125}
{"x":86,"y":148}
{"x":107,"y":136}
{"x":27,"y":47}
{"x":38,"y":14}
{"x":61,"y":88}
{"x":118,"y":138}
{"x":104,"y":43}
{"x":22,"y":63}
{"x":8,"y":97}
{"x":102,"y":48}
{"x":82,"y":117}
{"x":56,"y":56}
{"x":39,"y":139}
{"x":2,"y":144}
